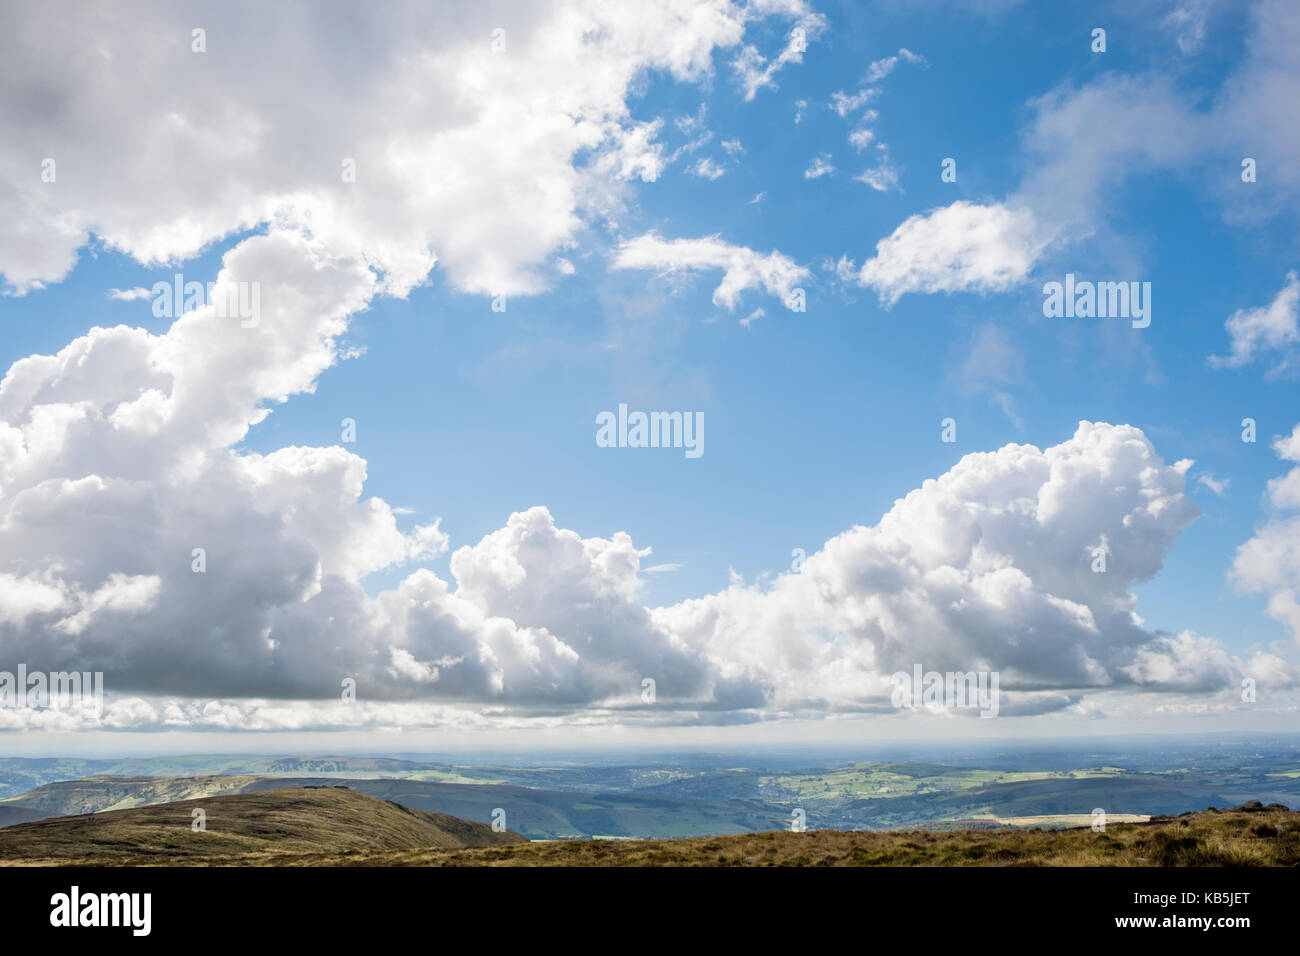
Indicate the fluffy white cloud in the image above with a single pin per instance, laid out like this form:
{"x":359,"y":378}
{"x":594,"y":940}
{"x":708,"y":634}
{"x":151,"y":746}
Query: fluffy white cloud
{"x":1269,"y":562}
{"x":1273,"y":328}
{"x":742,"y":267}
{"x":1083,"y":141}
{"x":134,"y":538}
{"x":1182,"y":662}
{"x":989,"y":567}
{"x":485,"y":157}
{"x":21,"y":597}
{"x":223,"y":589}
{"x":117,"y":470}
{"x":963,"y":246}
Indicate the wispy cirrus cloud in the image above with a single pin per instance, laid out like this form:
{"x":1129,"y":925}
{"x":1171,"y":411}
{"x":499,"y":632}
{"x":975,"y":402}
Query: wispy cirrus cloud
{"x":755,"y":72}
{"x":879,"y":69}
{"x":129,"y":295}
{"x":820,"y":166}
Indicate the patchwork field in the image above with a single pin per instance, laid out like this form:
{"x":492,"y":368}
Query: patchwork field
{"x":693,"y":796}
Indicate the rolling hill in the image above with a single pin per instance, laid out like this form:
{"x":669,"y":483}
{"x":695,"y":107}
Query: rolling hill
{"x":280,"y":823}
{"x":537,"y":814}
{"x":700,"y":795}
{"x":97,"y":794}
{"x":334,"y":827}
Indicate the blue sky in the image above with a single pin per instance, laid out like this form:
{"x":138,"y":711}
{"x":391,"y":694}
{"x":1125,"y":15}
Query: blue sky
{"x":817,"y":421}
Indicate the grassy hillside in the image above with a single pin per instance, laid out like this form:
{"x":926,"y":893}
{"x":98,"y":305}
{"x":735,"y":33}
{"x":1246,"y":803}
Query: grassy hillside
{"x":537,"y":814}
{"x":253,"y":826}
{"x":552,"y":815}
{"x":1268,"y":838}
{"x":338,"y":828}
{"x":1210,"y":838}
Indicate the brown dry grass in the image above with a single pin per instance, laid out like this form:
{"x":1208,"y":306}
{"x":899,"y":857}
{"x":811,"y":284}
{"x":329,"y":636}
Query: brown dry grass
{"x":1211,"y":838}
{"x":254,"y":827}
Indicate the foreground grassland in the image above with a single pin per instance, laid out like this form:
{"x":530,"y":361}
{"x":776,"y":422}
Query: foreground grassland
{"x":1261,"y":838}
{"x":334,"y":828}
{"x":286,"y":823}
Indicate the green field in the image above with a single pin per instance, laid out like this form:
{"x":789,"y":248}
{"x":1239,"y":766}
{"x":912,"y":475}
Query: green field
{"x":332,"y":826}
{"x":669,"y":800}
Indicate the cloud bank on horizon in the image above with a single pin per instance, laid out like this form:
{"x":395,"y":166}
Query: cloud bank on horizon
{"x":125,"y":450}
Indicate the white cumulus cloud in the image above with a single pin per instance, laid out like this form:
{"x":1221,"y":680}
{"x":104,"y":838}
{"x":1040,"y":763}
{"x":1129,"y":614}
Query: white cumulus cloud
{"x":959,"y":247}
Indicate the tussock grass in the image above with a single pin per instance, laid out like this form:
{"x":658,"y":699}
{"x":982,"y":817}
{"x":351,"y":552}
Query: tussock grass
{"x":340,"y":828}
{"x":253,"y":827}
{"x":1224,"y":838}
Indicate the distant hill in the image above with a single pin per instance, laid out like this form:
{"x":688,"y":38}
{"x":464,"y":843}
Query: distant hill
{"x":537,"y":814}
{"x":97,"y":794}
{"x":889,"y":795}
{"x":558,"y":815}
{"x":683,"y":797}
{"x":1127,"y":793}
{"x":282,"y":823}
{"x":21,"y":774}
